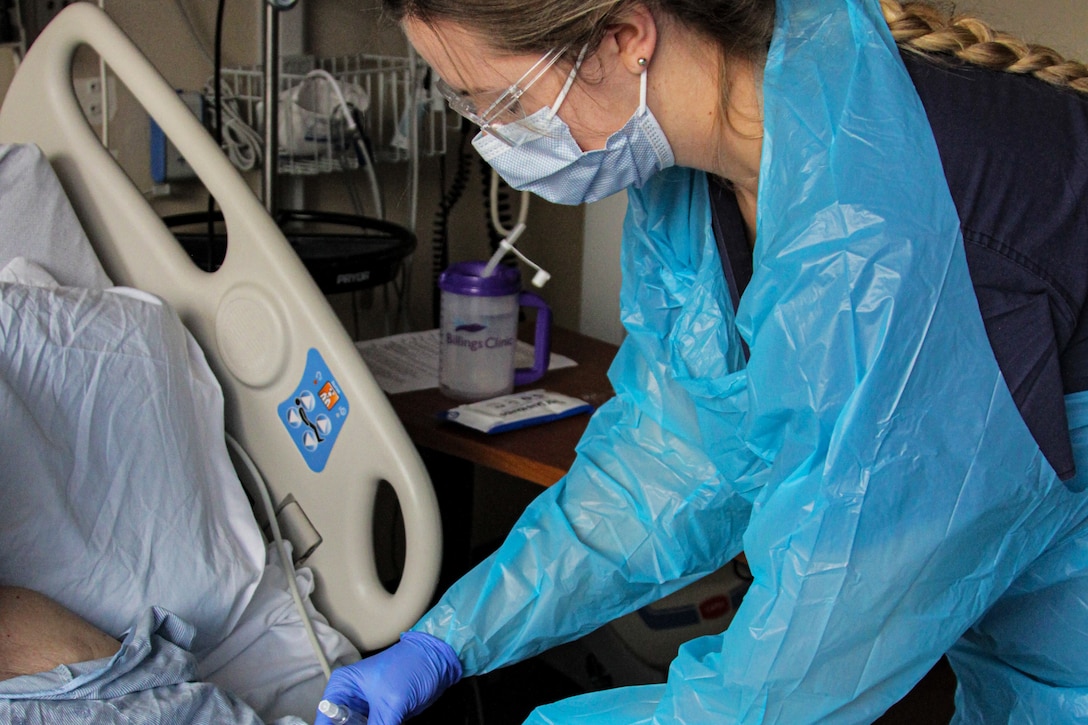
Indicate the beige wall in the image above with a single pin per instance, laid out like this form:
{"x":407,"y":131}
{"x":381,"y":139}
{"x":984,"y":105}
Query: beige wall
{"x":331,"y":28}
{"x":9,"y":61}
{"x":1061,"y":24}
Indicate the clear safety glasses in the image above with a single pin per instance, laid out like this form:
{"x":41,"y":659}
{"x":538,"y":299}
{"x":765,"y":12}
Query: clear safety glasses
{"x":507,"y":107}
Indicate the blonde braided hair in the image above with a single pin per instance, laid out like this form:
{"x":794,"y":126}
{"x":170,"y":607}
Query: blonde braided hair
{"x":922,"y":28}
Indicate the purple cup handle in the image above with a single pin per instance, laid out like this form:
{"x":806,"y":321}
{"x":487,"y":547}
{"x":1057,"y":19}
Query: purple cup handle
{"x":542,"y":340}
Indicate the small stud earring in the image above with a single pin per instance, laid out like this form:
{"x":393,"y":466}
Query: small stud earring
{"x":642,"y":62}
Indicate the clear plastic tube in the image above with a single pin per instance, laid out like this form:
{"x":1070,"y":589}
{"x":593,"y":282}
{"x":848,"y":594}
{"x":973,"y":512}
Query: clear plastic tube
{"x":507,"y":245}
{"x":338,"y":714}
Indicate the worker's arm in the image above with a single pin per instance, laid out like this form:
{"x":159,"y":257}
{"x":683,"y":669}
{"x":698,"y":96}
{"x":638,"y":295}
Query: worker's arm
{"x":660,"y":492}
{"x":641,"y":513}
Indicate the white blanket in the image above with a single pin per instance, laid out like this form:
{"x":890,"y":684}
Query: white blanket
{"x":119,"y":493}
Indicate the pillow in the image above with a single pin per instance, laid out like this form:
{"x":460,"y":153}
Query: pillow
{"x":37,"y":220}
{"x":118,"y":493}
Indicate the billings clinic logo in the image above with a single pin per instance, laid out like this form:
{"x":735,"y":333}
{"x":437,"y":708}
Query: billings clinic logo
{"x":459,"y":338}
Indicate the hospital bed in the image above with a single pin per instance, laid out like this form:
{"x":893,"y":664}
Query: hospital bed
{"x":302,"y":412}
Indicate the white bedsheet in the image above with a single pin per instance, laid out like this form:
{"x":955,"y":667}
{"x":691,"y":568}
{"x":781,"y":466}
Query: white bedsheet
{"x":250,"y":662}
{"x":119,"y":493}
{"x":118,"y":490}
{"x":37,"y":220}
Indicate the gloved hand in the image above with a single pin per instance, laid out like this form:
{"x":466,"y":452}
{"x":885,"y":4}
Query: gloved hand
{"x":396,"y":683}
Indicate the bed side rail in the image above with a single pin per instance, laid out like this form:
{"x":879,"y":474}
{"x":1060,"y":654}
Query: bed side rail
{"x":265,"y":327}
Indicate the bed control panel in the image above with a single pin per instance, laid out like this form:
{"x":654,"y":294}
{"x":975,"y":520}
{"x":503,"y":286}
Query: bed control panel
{"x":315,"y":413}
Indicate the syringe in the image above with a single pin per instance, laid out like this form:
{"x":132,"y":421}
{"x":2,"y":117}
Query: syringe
{"x":338,"y":714}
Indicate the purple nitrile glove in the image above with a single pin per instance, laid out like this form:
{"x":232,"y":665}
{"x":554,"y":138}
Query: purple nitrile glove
{"x":396,"y":683}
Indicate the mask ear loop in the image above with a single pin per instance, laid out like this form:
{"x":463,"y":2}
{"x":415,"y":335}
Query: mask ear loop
{"x":643,"y":86}
{"x":570,"y":82}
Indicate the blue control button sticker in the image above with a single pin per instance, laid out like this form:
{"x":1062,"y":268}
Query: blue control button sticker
{"x":316,"y":412}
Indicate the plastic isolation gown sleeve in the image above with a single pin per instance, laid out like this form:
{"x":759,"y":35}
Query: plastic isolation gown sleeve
{"x":645,"y":507}
{"x":869,"y":457}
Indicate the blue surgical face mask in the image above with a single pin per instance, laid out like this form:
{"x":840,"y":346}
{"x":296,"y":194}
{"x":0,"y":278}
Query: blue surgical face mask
{"x":546,"y":160}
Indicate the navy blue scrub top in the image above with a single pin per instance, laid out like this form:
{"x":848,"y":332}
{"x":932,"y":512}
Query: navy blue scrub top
{"x":1015,"y":154}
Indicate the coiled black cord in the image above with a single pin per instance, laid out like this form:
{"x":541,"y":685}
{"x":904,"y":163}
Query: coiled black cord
{"x":217,"y":73}
{"x":440,"y":240}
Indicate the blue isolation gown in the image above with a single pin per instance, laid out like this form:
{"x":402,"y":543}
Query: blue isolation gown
{"x":869,"y":458}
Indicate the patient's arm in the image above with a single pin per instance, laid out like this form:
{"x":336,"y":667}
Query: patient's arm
{"x":37,"y":634}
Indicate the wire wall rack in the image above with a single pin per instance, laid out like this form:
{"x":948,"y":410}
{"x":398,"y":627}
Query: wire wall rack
{"x":313,"y":133}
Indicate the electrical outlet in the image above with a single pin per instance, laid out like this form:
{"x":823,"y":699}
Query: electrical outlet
{"x":89,"y":94}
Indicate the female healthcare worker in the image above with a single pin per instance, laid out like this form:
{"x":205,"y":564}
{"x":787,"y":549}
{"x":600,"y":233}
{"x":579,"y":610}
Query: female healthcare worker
{"x":853,"y":290}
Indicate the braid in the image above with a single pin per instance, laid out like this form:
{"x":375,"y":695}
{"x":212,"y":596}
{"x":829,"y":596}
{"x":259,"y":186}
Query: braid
{"x":921,"y":28}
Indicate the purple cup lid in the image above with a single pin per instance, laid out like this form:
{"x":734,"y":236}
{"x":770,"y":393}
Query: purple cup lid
{"x":464,"y":278}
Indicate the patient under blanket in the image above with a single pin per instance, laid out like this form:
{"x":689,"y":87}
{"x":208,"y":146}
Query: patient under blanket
{"x":121,"y":505}
{"x":150,"y":679}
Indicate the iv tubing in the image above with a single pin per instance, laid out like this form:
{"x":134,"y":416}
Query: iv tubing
{"x":523,"y":210}
{"x":511,"y":235}
{"x":357,"y":135}
{"x":281,"y":549}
